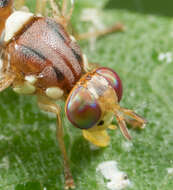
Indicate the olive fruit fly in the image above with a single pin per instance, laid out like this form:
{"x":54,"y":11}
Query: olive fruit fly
{"x":39,"y":57}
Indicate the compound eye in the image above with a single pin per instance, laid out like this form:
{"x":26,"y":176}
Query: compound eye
{"x":4,"y":3}
{"x":113,"y":79}
{"x":82,"y":109}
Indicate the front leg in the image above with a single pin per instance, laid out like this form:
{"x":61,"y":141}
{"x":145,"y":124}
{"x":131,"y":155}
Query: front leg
{"x":62,"y":14}
{"x":135,"y":120}
{"x":50,"y":106}
{"x":6,"y":77}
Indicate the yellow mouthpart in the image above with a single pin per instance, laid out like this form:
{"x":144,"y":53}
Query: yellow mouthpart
{"x":98,"y":137}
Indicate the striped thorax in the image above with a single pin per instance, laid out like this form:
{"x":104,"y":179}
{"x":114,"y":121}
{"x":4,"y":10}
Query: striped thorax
{"x":41,"y":47}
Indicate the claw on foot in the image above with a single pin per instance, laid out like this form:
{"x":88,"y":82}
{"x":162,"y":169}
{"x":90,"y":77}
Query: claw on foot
{"x":135,"y":124}
{"x":69,"y":184}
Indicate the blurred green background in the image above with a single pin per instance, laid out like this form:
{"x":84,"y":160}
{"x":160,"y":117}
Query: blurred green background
{"x":143,"y":57}
{"x":158,"y":7}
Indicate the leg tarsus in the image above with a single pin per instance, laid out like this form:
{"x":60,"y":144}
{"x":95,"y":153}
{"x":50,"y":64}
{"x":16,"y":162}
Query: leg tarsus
{"x":48,"y":105}
{"x":64,"y":11}
{"x":115,"y":28}
{"x":64,"y":7}
{"x":55,"y":8}
{"x":133,"y":119}
{"x":62,"y":15}
{"x":6,"y":81}
{"x":122,"y":125}
{"x":136,"y":121}
{"x":69,"y":182}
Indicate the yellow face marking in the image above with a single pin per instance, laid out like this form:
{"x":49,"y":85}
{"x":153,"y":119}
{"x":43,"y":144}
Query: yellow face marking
{"x":98,"y":138}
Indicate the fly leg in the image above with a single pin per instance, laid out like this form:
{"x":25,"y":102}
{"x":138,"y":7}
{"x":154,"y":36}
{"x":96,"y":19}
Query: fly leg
{"x":6,"y":81}
{"x":115,"y":28}
{"x":41,"y":7}
{"x":135,"y":120}
{"x":124,"y":116}
{"x":122,"y":124}
{"x":6,"y":77}
{"x":57,"y":14}
{"x":62,"y":14}
{"x":50,"y":106}
{"x":65,"y":12}
{"x":55,"y":8}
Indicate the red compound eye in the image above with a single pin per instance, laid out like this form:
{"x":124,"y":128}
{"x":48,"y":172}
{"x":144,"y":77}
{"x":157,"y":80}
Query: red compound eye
{"x":113,"y":79}
{"x":82,"y":109}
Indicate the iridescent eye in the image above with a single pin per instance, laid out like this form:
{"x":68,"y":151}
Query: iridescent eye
{"x":82,"y":109}
{"x":113,"y":79}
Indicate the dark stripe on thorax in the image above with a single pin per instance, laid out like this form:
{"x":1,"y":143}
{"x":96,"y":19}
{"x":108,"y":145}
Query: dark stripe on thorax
{"x":55,"y":27}
{"x":59,"y":74}
{"x":30,"y":52}
{"x":77,"y":56}
{"x":69,"y":65}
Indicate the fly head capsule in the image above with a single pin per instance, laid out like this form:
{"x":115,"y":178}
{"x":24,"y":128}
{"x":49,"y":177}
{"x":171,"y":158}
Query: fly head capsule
{"x":94,"y":101}
{"x":84,"y":106}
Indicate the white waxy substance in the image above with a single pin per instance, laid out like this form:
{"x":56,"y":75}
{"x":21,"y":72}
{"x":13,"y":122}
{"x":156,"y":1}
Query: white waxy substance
{"x":170,"y":171}
{"x":15,"y":22}
{"x":117,"y":180}
{"x":31,"y":79}
{"x":73,"y":38}
{"x":166,"y":57}
{"x":25,"y":88}
{"x":54,"y":92}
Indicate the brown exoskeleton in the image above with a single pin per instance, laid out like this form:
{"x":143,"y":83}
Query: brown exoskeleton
{"x":40,"y":58}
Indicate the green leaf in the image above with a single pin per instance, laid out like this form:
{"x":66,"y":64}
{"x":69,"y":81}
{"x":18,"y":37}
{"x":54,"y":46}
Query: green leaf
{"x":30,"y":158}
